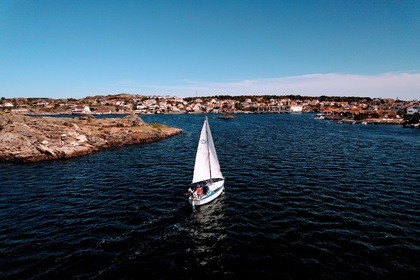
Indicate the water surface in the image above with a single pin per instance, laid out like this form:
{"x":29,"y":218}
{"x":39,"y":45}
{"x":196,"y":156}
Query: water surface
{"x":304,"y":198}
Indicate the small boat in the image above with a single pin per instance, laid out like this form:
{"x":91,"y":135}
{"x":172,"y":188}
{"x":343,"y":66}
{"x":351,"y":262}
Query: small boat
{"x":208,"y":178}
{"x":319,"y":117}
{"x":226,"y":116}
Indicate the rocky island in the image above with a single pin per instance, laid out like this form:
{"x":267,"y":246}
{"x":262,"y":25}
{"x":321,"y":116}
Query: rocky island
{"x":34,"y":138}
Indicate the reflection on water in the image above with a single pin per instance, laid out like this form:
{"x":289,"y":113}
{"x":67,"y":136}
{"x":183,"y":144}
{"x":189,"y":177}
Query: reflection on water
{"x":207,"y":231}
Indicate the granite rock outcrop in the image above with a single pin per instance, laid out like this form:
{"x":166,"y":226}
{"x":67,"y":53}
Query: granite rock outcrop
{"x":35,"y":138}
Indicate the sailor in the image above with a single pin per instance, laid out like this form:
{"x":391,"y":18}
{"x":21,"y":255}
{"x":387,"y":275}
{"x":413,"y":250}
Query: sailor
{"x":199,"y":192}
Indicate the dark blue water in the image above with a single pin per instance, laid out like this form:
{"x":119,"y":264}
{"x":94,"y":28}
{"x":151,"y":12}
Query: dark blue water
{"x":304,"y":198}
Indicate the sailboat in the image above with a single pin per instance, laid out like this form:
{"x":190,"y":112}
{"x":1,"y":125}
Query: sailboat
{"x":208,"y":178}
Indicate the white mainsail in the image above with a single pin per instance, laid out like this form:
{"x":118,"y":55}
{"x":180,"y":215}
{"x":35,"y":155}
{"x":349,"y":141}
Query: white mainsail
{"x":206,"y":163}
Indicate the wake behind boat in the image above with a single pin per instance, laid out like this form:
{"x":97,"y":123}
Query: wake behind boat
{"x":208,"y":178}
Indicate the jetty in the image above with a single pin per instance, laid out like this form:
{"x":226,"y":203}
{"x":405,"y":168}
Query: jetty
{"x":35,"y":138}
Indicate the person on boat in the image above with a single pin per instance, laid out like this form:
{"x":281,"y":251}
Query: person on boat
{"x":199,"y":192}
{"x":190,"y":191}
{"x":205,"y":190}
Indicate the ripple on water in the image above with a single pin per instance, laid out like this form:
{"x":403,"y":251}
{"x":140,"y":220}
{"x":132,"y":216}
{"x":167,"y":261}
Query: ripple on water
{"x":303,"y":198}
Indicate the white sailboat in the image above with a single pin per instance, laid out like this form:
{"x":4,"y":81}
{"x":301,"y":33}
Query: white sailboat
{"x":208,"y":178}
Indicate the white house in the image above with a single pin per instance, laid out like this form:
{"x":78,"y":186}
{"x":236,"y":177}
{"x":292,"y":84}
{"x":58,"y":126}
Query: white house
{"x":81,"y":110}
{"x":413,"y":109}
{"x":296,"y":109}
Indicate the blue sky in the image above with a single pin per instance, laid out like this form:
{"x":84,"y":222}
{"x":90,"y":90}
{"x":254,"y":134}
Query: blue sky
{"x":62,"y":49}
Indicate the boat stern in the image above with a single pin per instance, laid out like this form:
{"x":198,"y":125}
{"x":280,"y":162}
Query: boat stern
{"x":215,"y":190}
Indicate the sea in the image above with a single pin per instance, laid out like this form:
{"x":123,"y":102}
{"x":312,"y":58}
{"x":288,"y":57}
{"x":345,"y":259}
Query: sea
{"x":304,"y":199}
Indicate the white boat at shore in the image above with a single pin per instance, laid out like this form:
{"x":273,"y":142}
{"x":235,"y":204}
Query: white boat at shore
{"x":319,"y":117}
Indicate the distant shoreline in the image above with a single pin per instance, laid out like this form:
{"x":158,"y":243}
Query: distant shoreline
{"x":337,"y":119}
{"x":364,"y":109}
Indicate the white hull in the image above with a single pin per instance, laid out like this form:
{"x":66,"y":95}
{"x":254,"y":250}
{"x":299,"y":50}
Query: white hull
{"x":215,"y":190}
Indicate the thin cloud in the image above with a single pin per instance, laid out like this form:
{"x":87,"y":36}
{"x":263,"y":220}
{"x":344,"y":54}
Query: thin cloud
{"x":402,"y":85}
{"x":405,"y":86}
{"x":127,"y":82}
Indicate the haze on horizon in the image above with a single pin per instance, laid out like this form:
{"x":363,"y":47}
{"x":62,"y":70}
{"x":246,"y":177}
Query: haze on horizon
{"x":63,"y":49}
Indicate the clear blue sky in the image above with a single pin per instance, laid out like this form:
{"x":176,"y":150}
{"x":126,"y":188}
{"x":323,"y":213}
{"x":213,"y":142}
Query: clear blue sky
{"x":59,"y":49}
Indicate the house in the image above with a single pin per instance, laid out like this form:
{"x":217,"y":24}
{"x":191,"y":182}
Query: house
{"x":104,"y":110}
{"x":42,"y":103}
{"x":296,"y":109}
{"x":81,"y":110}
{"x":413,"y":109}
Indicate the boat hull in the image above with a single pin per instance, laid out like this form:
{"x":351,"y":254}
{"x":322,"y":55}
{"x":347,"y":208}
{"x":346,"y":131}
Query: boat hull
{"x":216,"y":190}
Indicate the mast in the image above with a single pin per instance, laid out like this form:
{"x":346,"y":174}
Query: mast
{"x":208,"y":146}
{"x":206,"y":162}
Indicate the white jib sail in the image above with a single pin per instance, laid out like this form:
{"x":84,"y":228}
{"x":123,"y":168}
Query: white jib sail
{"x":206,"y":162}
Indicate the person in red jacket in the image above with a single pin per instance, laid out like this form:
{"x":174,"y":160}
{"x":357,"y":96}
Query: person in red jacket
{"x":199,"y":192}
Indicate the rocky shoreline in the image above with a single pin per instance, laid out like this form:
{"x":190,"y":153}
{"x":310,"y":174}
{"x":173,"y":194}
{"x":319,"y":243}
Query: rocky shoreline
{"x":33,"y":139}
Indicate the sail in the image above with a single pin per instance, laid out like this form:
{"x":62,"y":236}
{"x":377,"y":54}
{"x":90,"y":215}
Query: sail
{"x":206,"y":162}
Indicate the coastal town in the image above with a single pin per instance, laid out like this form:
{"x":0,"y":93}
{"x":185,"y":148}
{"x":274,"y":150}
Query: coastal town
{"x":29,"y":132}
{"x":341,"y":109}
